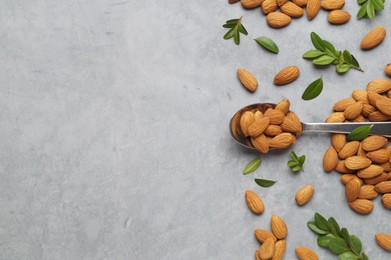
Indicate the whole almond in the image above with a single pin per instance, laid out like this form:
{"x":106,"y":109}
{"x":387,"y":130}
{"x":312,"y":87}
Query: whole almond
{"x":278,"y":20}
{"x":338,"y":141}
{"x":378,"y":179}
{"x":357,"y":162}
{"x":338,"y":17}
{"x":279,"y":228}
{"x":371,"y":171}
{"x":387,"y":69}
{"x":263,"y":234}
{"x":269,"y":6}
{"x":367,"y":109}
{"x":347,"y":177}
{"x":384,"y":240}
{"x":341,"y":168}
{"x":373,"y":38}
{"x":374,"y":142}
{"x":273,"y":130}
{"x":300,"y":3}
{"x":360,"y":95}
{"x":254,"y":202}
{"x":257,"y":114}
{"x":353,"y":110}
{"x":336,"y":117}
{"x":280,"y":250}
{"x":267,"y":249}
{"x":281,"y":2}
{"x":257,"y":257}
{"x":276,"y":116}
{"x":386,"y":166}
{"x":246,"y":120}
{"x":296,"y":120}
{"x":349,"y":149}
{"x":341,"y":105}
{"x":332,"y":4}
{"x":247,"y":79}
{"x":361,"y":151}
{"x":374,"y":97}
{"x":386,"y":200}
{"x":292,"y":9}
{"x":287,"y":75}
{"x":251,"y":3}
{"x":384,"y":106}
{"x":389,"y":93}
{"x":383,"y":187}
{"x":261,"y":143}
{"x":304,"y":253}
{"x":291,"y":126}
{"x":367,"y":192}
{"x":258,"y":127}
{"x":313,"y":7}
{"x":304,"y":194}
{"x":379,"y":85}
{"x":379,"y":156}
{"x":282,"y":141}
{"x":352,"y":190}
{"x":360,"y":118}
{"x":378,"y":116}
{"x":284,"y":106}
{"x":361,"y":206}
{"x":330,"y":159}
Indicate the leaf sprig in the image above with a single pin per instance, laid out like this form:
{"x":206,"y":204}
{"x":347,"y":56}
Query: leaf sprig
{"x":369,"y":8}
{"x":337,"y":239}
{"x":235,"y":29}
{"x":296,"y":163}
{"x":325,"y":54}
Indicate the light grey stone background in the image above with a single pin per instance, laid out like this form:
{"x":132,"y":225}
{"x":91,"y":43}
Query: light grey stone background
{"x":114,"y":130}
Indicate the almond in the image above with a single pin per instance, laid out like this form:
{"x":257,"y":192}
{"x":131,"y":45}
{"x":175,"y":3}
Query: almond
{"x":273,"y":130}
{"x":330,"y":159}
{"x":373,"y":38}
{"x":338,"y":17}
{"x":352,"y":190}
{"x":370,"y":172}
{"x":276,"y":116}
{"x":282,"y":141}
{"x":246,"y":120}
{"x":247,"y":79}
{"x":361,"y":206}
{"x":378,"y":179}
{"x":251,"y":3}
{"x":338,"y":141}
{"x":280,"y":250}
{"x":258,"y":127}
{"x":386,"y":200}
{"x":389,"y":93}
{"x":254,"y":202}
{"x":386,"y":166}
{"x":336,"y":117}
{"x":279,"y":228}
{"x":294,"y":127}
{"x":367,"y":109}
{"x":384,"y":240}
{"x":332,"y":4}
{"x":269,"y":6}
{"x":341,"y":168}
{"x":313,"y":7}
{"x":262,"y":234}
{"x":360,"y":95}
{"x":284,"y":106}
{"x":304,"y":194}
{"x":384,"y":106}
{"x":387,"y":69}
{"x":233,"y":1}
{"x":296,"y":120}
{"x":374,"y":142}
{"x":374,"y":97}
{"x":341,"y":105}
{"x":360,"y":118}
{"x":257,"y":115}
{"x":257,"y":257}
{"x":367,"y":192}
{"x":357,"y":162}
{"x":304,"y":253}
{"x":383,"y":187}
{"x":292,"y":9}
{"x":267,"y":249}
{"x":347,"y":177}
{"x":361,"y":151}
{"x":353,"y":111}
{"x":300,"y":2}
{"x":379,"y":85}
{"x":261,"y":143}
{"x":378,"y":116}
{"x":287,"y":75}
{"x":281,"y":2}
{"x":379,"y":156}
{"x":349,"y":149}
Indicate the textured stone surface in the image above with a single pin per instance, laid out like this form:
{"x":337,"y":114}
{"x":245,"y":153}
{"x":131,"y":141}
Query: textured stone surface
{"x":114,"y":130}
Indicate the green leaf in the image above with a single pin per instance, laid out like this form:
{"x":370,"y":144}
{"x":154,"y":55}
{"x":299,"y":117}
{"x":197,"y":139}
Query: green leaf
{"x":311,"y":225}
{"x":264,"y":183}
{"x":355,"y":62}
{"x":232,"y":21}
{"x":342,"y":68}
{"x":329,"y":47}
{"x":242,"y":29}
{"x":312,"y":54}
{"x":360,"y":2}
{"x":355,"y":244}
{"x":294,"y":156}
{"x":302,"y":160}
{"x":296,"y":163}
{"x":370,"y":10}
{"x":235,"y":29}
{"x":296,"y":168}
{"x":364,"y":256}
{"x":292,"y":163}
{"x":236,"y":37}
{"x":323,"y":60}
{"x":229,"y":34}
{"x":324,"y":241}
{"x":360,"y":133}
{"x":317,"y":42}
{"x":362,"y":12}
{"x":348,"y":255}
{"x":229,"y":25}
{"x":347,"y":56}
{"x":252,"y":166}
{"x":321,"y":222}
{"x":334,"y":226}
{"x":338,"y":245}
{"x":268,"y":44}
{"x":378,"y":5}
{"x":313,"y":90}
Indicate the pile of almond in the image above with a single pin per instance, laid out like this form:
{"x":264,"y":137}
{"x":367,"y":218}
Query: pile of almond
{"x":295,"y":8}
{"x":266,"y":127}
{"x":365,"y":165}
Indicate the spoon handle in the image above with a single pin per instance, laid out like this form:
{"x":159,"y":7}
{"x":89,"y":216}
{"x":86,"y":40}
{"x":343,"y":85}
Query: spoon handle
{"x":380,"y":128}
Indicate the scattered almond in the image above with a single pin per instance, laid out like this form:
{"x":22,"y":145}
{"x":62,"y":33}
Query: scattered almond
{"x":349,"y":149}
{"x":383,"y":187}
{"x":282,"y":141}
{"x":273,"y":130}
{"x":280,"y":250}
{"x":304,"y":253}
{"x":247,"y":79}
{"x":367,"y":192}
{"x":384,"y":240}
{"x":360,"y":95}
{"x":367,"y":109}
{"x":279,"y":228}
{"x":300,"y":3}
{"x":287,"y":75}
{"x":269,"y":6}
{"x":258,"y":127}
{"x":378,"y":179}
{"x":330,"y":159}
{"x":386,"y":200}
{"x":276,"y":116}
{"x":263,"y":234}
{"x":341,"y":168}
{"x":373,"y":38}
{"x":353,"y":110}
{"x":379,"y":156}
{"x":361,"y":206}
{"x":267,"y":249}
{"x":254,"y":202}
{"x":373,"y":97}
{"x":336,"y":117}
{"x":374,"y":142}
{"x":313,"y":7}
{"x":281,"y":2}
{"x":357,"y":162}
{"x":384,"y":106}
{"x":291,"y":9}
{"x":338,"y":141}
{"x":378,"y":116}
{"x":338,"y":17}
{"x":332,"y":4}
{"x":251,"y":3}
{"x":261,"y":143}
{"x":379,"y":85}
{"x":352,"y":190}
{"x":387,"y":69}
{"x":371,"y":171}
{"x":341,"y":105}
{"x":304,"y":194}
{"x":347,"y":177}
{"x":284,"y":106}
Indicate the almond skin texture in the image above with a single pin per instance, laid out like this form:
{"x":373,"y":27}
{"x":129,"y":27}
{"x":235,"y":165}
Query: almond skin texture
{"x":373,"y":38}
{"x":262,"y":234}
{"x":347,"y":177}
{"x":378,"y":179}
{"x":349,"y":149}
{"x":338,"y":141}
{"x":300,"y":3}
{"x":370,"y":172}
{"x":341,"y":105}
{"x":247,"y":79}
{"x":373,"y":97}
{"x":282,"y":141}
{"x":296,"y":120}
{"x":338,"y":17}
{"x":379,"y":85}
{"x":383,"y":187}
{"x":267,"y":249}
{"x":367,"y":192}
{"x":330,"y":159}
{"x":304,"y":253}
{"x":379,"y":156}
{"x":286,"y":75}
{"x":387,"y":69}
{"x":367,"y":109}
{"x":357,"y":162}
{"x":378,"y":116}
{"x":313,"y":7}
{"x":291,"y":126}
{"x":258,"y":127}
{"x":332,"y":4}
{"x":352,"y":190}
{"x":273,"y":130}
{"x":292,"y":9}
{"x":353,"y":111}
{"x":374,"y":142}
{"x":384,"y":106}
{"x":386,"y":200}
{"x":251,"y":3}
{"x":284,"y":106}
{"x":389,"y":94}
{"x":276,"y":116}
{"x":246,"y":120}
{"x":280,"y":250}
{"x":361,"y":206}
{"x":281,"y":2}
{"x":279,"y":228}
{"x":384,"y":240}
{"x":304,"y":194}
{"x":269,"y":6}
{"x":261,"y":143}
{"x":386,"y":166}
{"x":341,"y":168}
{"x":360,"y":95}
{"x":254,"y":202}
{"x":336,"y":117}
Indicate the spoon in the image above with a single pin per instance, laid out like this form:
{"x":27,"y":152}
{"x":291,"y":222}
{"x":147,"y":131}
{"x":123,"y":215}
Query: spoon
{"x":379,"y":128}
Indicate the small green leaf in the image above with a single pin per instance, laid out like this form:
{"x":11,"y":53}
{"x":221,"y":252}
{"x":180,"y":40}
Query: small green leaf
{"x":236,"y":37}
{"x":324,"y":241}
{"x":294,"y":156}
{"x":348,"y":255}
{"x":378,"y":5}
{"x":292,"y":163}
{"x":323,"y":60}
{"x":313,"y":90}
{"x":234,"y":21}
{"x":345,"y":235}
{"x":342,"y":68}
{"x":329,"y":47}
{"x":347,"y":56}
{"x":338,"y":245}
{"x":370,"y":10}
{"x":235,"y":29}
{"x":362,"y":12}
{"x":360,"y":2}
{"x":296,"y":168}
{"x":317,"y":42}
{"x":355,"y":244}
{"x":296,"y":163}
{"x":268,"y":44}
{"x":312,"y":54}
{"x":355,"y":62}
{"x":364,"y":256}
{"x":321,"y":222}
{"x":311,"y":225}
{"x":229,"y":25}
{"x":360,"y":133}
{"x":334,"y":226}
{"x":229,"y":34}
{"x":302,"y":160}
{"x":252,"y":166}
{"x":264,"y":183}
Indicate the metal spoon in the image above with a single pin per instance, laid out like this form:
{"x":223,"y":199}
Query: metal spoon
{"x":380,"y":128}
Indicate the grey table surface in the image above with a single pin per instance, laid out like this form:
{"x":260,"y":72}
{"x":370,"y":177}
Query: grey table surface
{"x":114,"y":136}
